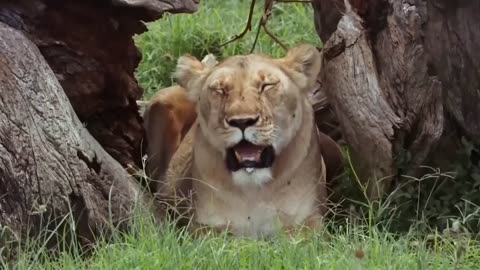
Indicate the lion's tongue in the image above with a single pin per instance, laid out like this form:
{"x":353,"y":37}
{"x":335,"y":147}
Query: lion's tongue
{"x":248,"y":152}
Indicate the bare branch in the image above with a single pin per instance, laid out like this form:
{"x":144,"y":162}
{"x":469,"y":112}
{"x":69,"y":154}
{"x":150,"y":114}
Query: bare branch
{"x":247,"y":28}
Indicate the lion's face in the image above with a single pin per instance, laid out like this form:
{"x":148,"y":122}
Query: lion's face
{"x":251,"y":106}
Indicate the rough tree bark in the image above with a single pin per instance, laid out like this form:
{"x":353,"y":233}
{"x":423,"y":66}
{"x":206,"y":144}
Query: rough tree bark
{"x":64,"y":66}
{"x":403,"y":78}
{"x":49,"y":163}
{"x":89,"y":46}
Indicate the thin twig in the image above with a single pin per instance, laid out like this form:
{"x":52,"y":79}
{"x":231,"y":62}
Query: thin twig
{"x":247,"y":28}
{"x":256,"y":37}
{"x":274,"y":37}
{"x":267,"y":11}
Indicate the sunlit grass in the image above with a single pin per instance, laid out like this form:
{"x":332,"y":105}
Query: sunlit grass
{"x":147,"y":246}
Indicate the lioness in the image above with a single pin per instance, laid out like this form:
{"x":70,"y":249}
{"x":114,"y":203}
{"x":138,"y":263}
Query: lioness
{"x":253,"y":158}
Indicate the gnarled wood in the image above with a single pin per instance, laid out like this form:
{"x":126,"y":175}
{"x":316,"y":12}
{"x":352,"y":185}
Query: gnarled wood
{"x":50,"y":165}
{"x":353,"y":87}
{"x":397,"y":74}
{"x":415,"y":94}
{"x":327,"y":14}
{"x":161,"y":6}
{"x":89,"y":46}
{"x":452,"y":43}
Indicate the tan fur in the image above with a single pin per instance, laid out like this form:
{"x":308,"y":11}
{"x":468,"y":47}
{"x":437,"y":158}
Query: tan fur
{"x":294,"y":193}
{"x":168,"y":118}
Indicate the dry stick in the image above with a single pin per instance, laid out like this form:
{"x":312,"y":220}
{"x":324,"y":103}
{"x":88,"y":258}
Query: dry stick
{"x":263,"y":23}
{"x":247,"y":28}
{"x":267,"y":10}
{"x":256,"y":37}
{"x":274,"y":37}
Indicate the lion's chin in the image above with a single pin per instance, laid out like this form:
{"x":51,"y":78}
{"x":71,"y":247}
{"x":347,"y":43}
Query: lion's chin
{"x":256,"y":177}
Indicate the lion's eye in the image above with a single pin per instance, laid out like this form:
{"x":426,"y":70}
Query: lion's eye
{"x":267,"y":86}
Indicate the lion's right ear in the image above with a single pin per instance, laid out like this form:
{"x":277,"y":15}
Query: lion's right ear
{"x":189,"y":70}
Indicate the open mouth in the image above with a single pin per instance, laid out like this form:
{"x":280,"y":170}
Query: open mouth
{"x":246,"y":155}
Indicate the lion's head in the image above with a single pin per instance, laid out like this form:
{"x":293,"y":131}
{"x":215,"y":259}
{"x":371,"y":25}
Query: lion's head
{"x":251,"y":106}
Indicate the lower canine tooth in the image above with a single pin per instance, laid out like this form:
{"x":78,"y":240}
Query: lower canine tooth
{"x":249,"y":170}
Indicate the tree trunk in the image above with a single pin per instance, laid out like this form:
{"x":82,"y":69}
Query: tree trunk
{"x":49,"y":163}
{"x":66,"y":73}
{"x":403,"y":79}
{"x":89,"y":46}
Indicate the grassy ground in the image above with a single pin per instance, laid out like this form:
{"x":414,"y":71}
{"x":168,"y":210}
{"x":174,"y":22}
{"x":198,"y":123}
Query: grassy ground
{"x":360,"y":246}
{"x":146,"y":246}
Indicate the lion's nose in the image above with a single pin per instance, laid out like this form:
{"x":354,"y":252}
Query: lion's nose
{"x":242,"y":123}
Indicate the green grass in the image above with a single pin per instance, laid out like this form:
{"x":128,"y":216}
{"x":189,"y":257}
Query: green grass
{"x":147,"y":246}
{"x":215,"y":22}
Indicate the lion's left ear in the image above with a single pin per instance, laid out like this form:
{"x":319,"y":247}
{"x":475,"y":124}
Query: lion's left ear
{"x":304,"y":60}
